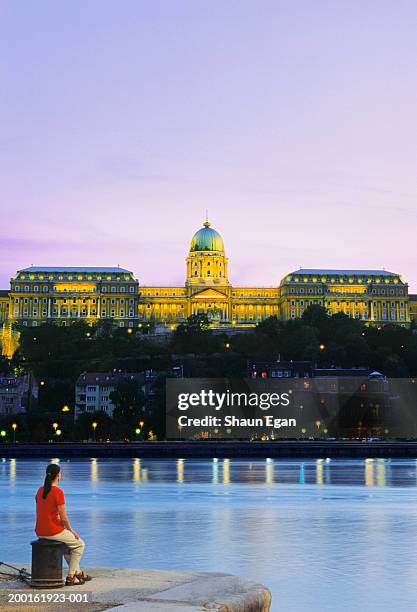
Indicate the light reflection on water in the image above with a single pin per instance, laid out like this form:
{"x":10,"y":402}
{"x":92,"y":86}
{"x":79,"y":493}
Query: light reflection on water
{"x":321,"y":534}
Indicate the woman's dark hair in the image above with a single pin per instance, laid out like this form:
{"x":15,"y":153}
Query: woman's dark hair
{"x":52,"y":472}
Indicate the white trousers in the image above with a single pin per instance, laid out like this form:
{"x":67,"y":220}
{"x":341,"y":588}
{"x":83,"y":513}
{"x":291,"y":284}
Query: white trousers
{"x":75,"y":549}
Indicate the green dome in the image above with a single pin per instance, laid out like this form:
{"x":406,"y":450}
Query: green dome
{"x":207,"y":239}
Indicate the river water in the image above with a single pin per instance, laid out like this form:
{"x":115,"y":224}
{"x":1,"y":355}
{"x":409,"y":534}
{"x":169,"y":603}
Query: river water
{"x":323,"y":535}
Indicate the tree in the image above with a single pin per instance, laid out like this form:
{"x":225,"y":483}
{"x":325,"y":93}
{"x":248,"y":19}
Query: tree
{"x":194,"y":336}
{"x":129,"y":400}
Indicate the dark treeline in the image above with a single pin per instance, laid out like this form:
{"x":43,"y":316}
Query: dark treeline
{"x":57,"y":355}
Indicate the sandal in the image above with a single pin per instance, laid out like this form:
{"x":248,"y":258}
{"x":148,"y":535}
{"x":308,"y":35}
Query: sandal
{"x":74,"y":580}
{"x":84,"y":577}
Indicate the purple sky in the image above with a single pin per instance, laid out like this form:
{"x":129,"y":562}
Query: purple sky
{"x":294,"y":123}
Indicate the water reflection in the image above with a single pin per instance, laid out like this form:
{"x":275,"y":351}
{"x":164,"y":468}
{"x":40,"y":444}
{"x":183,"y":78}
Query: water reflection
{"x":381,"y":474}
{"x":136,"y":470}
{"x":180,"y":470}
{"x":269,"y":471}
{"x":369,"y":472}
{"x":226,"y":471}
{"x":321,"y":472}
{"x":215,"y":471}
{"x":12,"y":469}
{"x":287,"y":524}
{"x":94,"y":470}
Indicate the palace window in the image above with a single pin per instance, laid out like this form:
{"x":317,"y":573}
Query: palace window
{"x":36,"y":288}
{"x":132,"y":289}
{"x":103,"y":313}
{"x":26,"y":288}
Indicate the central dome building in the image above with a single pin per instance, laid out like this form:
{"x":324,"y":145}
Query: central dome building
{"x":206,"y":261}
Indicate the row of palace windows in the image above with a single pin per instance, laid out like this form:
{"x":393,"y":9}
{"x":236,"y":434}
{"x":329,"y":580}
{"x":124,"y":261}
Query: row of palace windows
{"x":342,"y":279}
{"x":374,"y":291}
{"x":74,"y":301}
{"x":45,"y":289}
{"x":208,"y":273}
{"x":70,"y":277}
{"x":83,"y":312}
{"x":63,"y":323}
{"x":393,"y":304}
{"x":384,"y":315}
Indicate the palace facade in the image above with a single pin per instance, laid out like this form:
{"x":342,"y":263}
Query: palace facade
{"x":65,"y":294}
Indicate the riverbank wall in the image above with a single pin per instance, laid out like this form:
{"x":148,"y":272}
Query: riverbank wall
{"x":220,"y":449}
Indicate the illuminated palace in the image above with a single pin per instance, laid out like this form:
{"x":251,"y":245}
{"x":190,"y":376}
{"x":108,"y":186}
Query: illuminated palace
{"x":39,"y":294}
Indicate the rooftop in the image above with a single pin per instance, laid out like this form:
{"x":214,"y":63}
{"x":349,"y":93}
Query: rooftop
{"x":337,"y":271}
{"x":73,"y":269}
{"x":93,"y":378}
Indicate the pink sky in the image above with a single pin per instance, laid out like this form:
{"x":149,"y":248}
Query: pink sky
{"x":293,"y":123}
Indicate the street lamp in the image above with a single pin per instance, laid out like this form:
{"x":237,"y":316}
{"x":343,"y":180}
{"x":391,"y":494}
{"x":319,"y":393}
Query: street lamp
{"x":3,"y":433}
{"x":55,"y":426}
{"x":65,"y":408}
{"x":227,"y":345}
{"x":94,"y":425}
{"x":137,"y":431}
{"x":14,"y":426}
{"x":322,"y":347}
{"x":58,"y":433}
{"x":141,"y":424}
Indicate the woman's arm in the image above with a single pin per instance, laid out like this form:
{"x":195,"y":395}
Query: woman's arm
{"x":65,"y":520}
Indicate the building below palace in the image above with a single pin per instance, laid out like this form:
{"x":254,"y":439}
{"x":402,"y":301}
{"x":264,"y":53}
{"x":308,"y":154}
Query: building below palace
{"x":17,"y":394}
{"x":65,"y":294}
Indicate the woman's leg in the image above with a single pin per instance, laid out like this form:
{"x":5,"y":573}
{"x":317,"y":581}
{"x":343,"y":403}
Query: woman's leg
{"x":75,"y":549}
